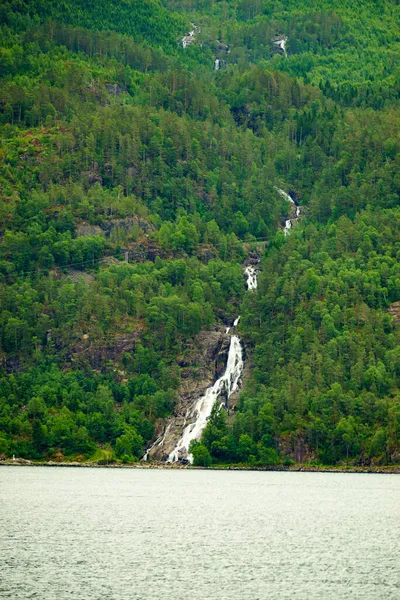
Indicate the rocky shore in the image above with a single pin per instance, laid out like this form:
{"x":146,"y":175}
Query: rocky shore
{"x":296,"y":468}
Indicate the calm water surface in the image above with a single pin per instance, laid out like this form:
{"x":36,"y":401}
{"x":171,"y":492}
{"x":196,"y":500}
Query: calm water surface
{"x":98,"y":534}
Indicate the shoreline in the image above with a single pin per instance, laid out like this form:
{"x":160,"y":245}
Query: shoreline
{"x":297,"y":468}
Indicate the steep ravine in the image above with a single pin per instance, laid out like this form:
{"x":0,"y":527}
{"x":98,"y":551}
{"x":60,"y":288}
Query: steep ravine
{"x":210,"y":383}
{"x":205,"y":365}
{"x":200,"y":393}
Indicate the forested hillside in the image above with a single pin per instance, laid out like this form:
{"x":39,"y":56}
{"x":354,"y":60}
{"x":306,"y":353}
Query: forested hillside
{"x":135,"y":177}
{"x":146,"y":21}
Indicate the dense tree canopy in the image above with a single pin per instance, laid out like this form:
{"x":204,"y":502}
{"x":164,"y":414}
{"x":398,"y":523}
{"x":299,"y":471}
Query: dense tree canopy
{"x":134,"y":179}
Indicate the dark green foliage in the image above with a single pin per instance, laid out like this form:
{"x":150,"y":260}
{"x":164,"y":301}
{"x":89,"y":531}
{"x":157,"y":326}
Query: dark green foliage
{"x":117,"y":143}
{"x":201,"y":456}
{"x":325,"y":344}
{"x":143,"y":20}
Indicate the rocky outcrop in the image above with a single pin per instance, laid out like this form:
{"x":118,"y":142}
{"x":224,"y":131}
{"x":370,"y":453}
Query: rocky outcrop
{"x":107,"y":226}
{"x":394,"y":310}
{"x":206,"y":252}
{"x":296,"y":448}
{"x":205,"y":363}
{"x":92,"y":175}
{"x":128,"y":224}
{"x":96,"y":350}
{"x":75,"y":275}
{"x":84,"y":229}
{"x":115,"y":89}
{"x":145,"y":250}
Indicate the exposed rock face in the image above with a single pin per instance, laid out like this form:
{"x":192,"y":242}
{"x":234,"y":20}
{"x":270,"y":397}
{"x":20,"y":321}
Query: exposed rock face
{"x":205,"y":253}
{"x":394,"y":310}
{"x":115,"y":89}
{"x":145,"y":250}
{"x":76,"y":276}
{"x":95,"y":349}
{"x":92,"y":175}
{"x":128,"y":223}
{"x":253,"y":258}
{"x":86,"y":229}
{"x":296,"y":448}
{"x":107,"y":227}
{"x":200,"y":371}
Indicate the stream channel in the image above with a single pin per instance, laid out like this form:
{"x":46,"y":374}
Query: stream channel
{"x":228,"y":383}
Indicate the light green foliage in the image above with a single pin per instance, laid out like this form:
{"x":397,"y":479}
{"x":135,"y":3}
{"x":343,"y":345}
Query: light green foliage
{"x":325,"y":346}
{"x":116,"y":140}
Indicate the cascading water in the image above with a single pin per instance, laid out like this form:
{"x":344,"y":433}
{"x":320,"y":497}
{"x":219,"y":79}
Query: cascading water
{"x":285,"y":195}
{"x":251,"y":275}
{"x":288,"y":226}
{"x":288,"y":222}
{"x":190,"y":37}
{"x":159,"y":442}
{"x":227,"y":384}
{"x":281,"y":43}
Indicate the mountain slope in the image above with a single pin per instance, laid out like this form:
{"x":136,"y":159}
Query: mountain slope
{"x":142,"y":20}
{"x":135,"y":179}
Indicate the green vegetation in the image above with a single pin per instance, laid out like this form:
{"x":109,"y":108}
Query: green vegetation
{"x":146,"y":21}
{"x":326,"y":358}
{"x":131,"y":173}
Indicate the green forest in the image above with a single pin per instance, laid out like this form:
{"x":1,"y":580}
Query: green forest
{"x":136,"y":177}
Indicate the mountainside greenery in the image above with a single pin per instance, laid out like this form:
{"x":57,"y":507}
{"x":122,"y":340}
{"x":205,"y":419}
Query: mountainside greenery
{"x":146,"y":21}
{"x":134,"y":179}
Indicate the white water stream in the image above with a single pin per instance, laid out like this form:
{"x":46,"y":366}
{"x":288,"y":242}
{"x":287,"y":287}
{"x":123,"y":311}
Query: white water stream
{"x":288,"y":226}
{"x":159,"y":442}
{"x":190,"y":37}
{"x":251,"y":275}
{"x":288,"y":222}
{"x":282,"y":44}
{"x":228,"y":383}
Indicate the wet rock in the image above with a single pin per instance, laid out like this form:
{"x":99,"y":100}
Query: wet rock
{"x":205,"y":363}
{"x":97,"y":351}
{"x":21,"y":461}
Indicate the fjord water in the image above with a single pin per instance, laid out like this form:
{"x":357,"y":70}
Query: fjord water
{"x":116,"y":534}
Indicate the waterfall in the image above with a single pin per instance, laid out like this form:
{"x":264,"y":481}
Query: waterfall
{"x":217,"y":63}
{"x":288,"y":226}
{"x":285,"y":195}
{"x":159,"y":442}
{"x":288,"y":222}
{"x":190,"y":37}
{"x":251,"y":275}
{"x":281,"y":43}
{"x":227,"y":384}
